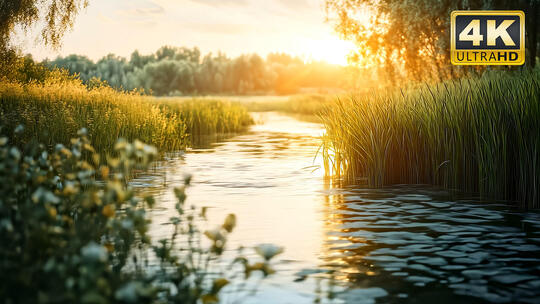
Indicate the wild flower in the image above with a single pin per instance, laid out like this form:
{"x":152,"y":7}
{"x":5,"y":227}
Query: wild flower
{"x":73,"y":231}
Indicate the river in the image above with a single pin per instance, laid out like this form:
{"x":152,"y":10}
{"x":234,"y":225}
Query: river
{"x":401,"y":244}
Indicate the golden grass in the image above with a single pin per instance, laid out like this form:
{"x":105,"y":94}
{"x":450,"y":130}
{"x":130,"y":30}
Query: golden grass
{"x":209,"y":116}
{"x":54,"y":111}
{"x":304,"y":104}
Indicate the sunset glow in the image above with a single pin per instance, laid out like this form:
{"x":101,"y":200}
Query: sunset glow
{"x":233,"y":27}
{"x":332,"y":50}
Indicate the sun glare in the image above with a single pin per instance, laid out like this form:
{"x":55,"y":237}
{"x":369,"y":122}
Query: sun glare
{"x":332,"y":50}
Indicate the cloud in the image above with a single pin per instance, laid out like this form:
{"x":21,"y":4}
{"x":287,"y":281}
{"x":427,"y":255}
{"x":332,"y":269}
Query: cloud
{"x":145,"y":11}
{"x":140,"y":13}
{"x":295,"y":4}
{"x":285,"y":3}
{"x":295,"y":8}
{"x":141,"y":9}
{"x":233,"y":26}
{"x":219,"y":28}
{"x":104,"y":19}
{"x":221,"y":2}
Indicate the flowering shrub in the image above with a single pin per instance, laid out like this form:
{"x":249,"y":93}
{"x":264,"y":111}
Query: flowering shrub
{"x":72,"y":231}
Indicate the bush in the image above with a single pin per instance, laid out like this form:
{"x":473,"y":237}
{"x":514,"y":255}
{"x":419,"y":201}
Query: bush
{"x":22,"y":69}
{"x":72,"y":231}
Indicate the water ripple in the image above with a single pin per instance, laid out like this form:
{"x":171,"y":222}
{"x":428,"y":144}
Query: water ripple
{"x":431,"y":243}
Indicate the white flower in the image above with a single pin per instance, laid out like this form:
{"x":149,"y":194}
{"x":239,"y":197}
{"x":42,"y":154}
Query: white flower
{"x":128,"y":292}
{"x":215,"y":235}
{"x":45,"y":196}
{"x":268,"y":251}
{"x":94,"y":252}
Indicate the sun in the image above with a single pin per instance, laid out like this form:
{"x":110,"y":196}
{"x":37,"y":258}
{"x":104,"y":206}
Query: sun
{"x":331,"y":49}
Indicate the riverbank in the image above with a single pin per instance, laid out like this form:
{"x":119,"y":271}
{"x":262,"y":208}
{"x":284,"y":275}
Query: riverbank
{"x":476,"y":135}
{"x":53,"y":111}
{"x":298,"y":104}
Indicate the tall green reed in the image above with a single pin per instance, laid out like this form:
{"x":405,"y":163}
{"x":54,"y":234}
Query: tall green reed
{"x":477,"y":135}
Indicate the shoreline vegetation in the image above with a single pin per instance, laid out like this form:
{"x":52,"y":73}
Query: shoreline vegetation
{"x":302,"y":104}
{"x":478,"y":135}
{"x":72,"y":231}
{"x":52,"y":111}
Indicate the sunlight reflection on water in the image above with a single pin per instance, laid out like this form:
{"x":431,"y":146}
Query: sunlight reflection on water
{"x":394,"y":245}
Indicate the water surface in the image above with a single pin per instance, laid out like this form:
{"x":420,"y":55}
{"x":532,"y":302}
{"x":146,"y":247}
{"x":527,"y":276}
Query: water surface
{"x":402,"y":244}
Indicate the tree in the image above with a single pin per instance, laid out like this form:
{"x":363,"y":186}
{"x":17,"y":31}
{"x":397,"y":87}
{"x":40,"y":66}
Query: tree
{"x":166,"y":77}
{"x":113,"y":69}
{"x":410,"y":38}
{"x":178,"y":53}
{"x":75,"y":64}
{"x":58,"y":17}
{"x":180,"y":70}
{"x":139,"y":61}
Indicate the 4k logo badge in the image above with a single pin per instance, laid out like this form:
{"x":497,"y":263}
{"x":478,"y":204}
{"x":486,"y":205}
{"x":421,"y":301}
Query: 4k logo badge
{"x":487,"y":38}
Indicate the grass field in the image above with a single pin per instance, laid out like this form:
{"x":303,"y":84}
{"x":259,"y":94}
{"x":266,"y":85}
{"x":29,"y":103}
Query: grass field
{"x":303,"y":104}
{"x":54,"y":111}
{"x":306,"y":104}
{"x":479,"y":135}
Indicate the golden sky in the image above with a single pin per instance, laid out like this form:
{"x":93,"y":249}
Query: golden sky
{"x":234,"y":27}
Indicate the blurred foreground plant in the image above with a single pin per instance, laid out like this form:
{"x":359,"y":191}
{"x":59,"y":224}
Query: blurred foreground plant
{"x":72,"y":231}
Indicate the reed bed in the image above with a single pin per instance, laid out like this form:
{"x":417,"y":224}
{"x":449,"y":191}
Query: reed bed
{"x":478,"y":135}
{"x":304,"y":104}
{"x":209,"y":116}
{"x":309,"y":104}
{"x":52,"y":112}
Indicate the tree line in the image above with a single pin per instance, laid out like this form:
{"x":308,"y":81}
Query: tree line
{"x":185,"y":71}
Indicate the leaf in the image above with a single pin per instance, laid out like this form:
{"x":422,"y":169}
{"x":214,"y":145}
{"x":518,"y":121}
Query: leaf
{"x":108,"y":211}
{"x":210,"y":299}
{"x":230,"y":223}
{"x":219,"y":284}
